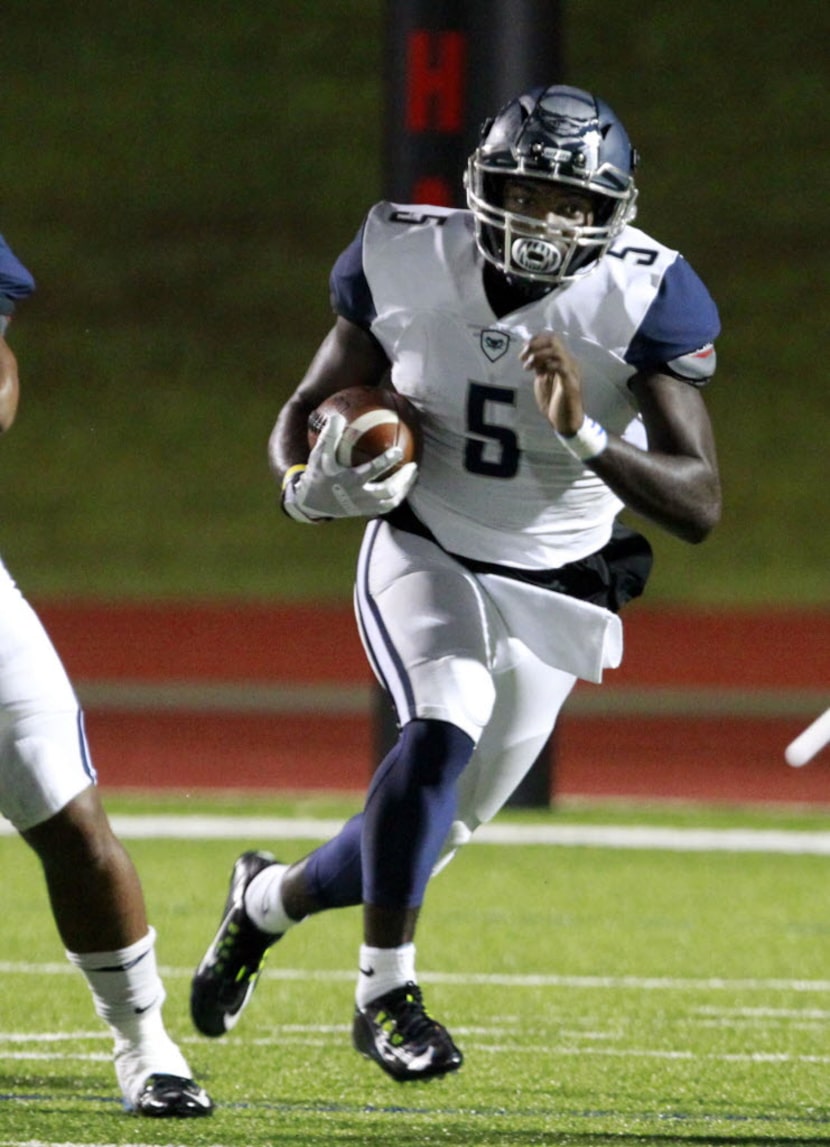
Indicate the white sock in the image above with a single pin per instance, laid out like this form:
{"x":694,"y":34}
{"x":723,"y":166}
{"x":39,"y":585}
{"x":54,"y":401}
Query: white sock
{"x":128,"y":994}
{"x":124,"y":983}
{"x":263,"y":901}
{"x":382,"y":969}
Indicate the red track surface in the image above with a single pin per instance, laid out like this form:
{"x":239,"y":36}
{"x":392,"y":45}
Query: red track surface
{"x":714,"y":758}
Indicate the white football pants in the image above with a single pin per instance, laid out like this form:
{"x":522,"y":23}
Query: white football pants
{"x":44,"y":759}
{"x":439,"y":645}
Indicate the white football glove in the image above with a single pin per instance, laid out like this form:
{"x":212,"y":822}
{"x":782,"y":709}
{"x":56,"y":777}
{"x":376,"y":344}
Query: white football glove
{"x":325,"y":489}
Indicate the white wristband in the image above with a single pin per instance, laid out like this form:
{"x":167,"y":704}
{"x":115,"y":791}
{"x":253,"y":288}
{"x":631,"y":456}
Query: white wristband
{"x":588,"y":442}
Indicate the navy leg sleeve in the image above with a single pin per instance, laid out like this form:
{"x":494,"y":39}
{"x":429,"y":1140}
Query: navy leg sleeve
{"x":409,"y":810}
{"x":333,"y":871}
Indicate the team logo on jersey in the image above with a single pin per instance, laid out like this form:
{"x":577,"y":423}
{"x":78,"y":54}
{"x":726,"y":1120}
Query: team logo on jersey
{"x":494,"y":344}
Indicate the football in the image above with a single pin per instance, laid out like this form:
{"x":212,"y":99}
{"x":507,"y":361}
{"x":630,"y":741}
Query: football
{"x":376,"y":419}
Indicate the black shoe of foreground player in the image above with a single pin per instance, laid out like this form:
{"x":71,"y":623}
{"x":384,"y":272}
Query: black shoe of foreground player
{"x":224,"y":981}
{"x":395,"y":1031}
{"x":172,"y":1097}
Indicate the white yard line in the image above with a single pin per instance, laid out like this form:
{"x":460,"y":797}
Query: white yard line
{"x":503,"y":980}
{"x":52,"y":1143}
{"x":500,"y":1049}
{"x":641,"y":837}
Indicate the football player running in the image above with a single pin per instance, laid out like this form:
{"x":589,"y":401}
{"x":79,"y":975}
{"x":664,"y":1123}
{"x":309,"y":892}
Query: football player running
{"x":48,"y":792}
{"x":556,"y":355}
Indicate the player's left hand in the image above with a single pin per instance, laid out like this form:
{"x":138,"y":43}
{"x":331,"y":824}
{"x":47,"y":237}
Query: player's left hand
{"x":557,"y":381}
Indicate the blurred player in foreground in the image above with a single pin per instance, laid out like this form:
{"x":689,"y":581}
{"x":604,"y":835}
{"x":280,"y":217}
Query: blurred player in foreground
{"x":556,"y":355}
{"x":807,"y":744}
{"x":48,"y":792}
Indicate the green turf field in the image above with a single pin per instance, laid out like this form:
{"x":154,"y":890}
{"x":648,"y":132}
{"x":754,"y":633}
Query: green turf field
{"x":602,"y":995}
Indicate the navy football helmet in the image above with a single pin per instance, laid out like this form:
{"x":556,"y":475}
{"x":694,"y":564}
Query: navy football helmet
{"x":561,"y":135}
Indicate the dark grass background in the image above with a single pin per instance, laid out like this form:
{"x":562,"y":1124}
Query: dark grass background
{"x":179,"y":178}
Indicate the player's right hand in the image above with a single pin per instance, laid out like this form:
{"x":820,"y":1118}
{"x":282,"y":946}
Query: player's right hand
{"x":325,"y":489}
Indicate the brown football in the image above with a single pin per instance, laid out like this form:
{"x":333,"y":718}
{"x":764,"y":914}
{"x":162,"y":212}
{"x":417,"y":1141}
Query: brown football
{"x":376,"y":418}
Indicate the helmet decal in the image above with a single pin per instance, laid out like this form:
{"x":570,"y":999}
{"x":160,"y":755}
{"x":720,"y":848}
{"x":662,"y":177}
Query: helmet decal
{"x":536,"y":256}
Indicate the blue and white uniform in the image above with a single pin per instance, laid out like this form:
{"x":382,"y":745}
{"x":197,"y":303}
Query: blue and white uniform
{"x":44,"y":760}
{"x":457,"y":614}
{"x":495,"y":484}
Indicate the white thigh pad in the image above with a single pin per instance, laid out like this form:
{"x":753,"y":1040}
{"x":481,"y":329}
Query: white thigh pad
{"x":44,"y":760}
{"x":427,"y":629}
{"x":44,"y":764}
{"x":454,"y":689}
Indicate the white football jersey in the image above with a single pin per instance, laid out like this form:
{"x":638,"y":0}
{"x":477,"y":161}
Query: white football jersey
{"x":495,"y":483}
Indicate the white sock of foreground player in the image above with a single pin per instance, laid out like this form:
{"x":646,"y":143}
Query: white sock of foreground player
{"x":263,"y":901}
{"x":382,"y":969}
{"x":128,"y":994}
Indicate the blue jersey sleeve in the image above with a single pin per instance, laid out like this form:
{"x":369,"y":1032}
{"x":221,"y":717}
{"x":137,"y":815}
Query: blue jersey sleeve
{"x":351,"y":295}
{"x":15,"y":280}
{"x":681,"y":321}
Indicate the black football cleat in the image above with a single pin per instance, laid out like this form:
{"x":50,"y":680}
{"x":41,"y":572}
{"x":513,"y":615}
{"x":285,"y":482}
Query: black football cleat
{"x":395,"y":1031}
{"x":172,"y":1097}
{"x":225,"y":980}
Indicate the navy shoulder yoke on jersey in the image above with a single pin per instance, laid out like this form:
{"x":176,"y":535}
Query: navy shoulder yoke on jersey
{"x":351,"y":295}
{"x":15,"y":283}
{"x":675,"y":335}
{"x":679,"y":328}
